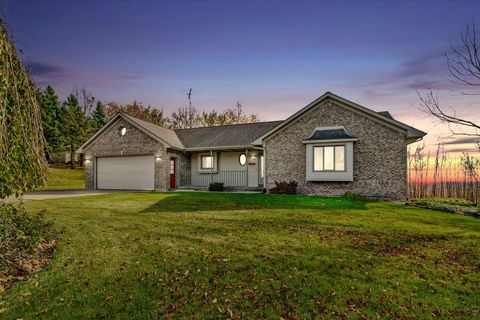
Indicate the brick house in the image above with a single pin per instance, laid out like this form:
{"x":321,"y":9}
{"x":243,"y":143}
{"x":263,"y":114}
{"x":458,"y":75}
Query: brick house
{"x":329,"y":147}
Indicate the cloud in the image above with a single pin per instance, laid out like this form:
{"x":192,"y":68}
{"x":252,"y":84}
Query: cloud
{"x":465,"y":140}
{"x":50,"y":73}
{"x":130,"y":77}
{"x":427,"y":84}
{"x":425,"y":65}
{"x":418,"y":72}
{"x":461,"y":150}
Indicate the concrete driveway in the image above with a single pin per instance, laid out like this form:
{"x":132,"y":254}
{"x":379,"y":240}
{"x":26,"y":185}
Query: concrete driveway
{"x":54,"y":194}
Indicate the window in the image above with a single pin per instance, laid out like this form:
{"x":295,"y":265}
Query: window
{"x":339,"y":158}
{"x":172,"y":166}
{"x":243,"y":159}
{"x":207,"y":162}
{"x":317,"y":158}
{"x":331,"y":158}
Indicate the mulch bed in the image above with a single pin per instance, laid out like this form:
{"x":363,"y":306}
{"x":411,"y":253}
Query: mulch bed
{"x":25,"y":264}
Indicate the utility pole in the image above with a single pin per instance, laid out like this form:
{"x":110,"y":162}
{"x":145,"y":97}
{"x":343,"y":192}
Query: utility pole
{"x":190,"y":111}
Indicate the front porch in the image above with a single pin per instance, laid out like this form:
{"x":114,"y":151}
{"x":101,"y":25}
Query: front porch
{"x":232,"y":180}
{"x":236,"y":169}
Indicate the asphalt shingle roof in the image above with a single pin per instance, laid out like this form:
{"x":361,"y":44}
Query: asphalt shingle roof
{"x":206,"y":137}
{"x":224,"y":136}
{"x":330,"y":134}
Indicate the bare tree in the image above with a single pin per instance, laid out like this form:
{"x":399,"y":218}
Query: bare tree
{"x":430,"y":104}
{"x":463,"y":63}
{"x":137,"y":110}
{"x":87,"y":101}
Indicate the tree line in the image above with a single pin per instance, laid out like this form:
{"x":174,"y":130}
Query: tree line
{"x":68,"y":124}
{"x":442,"y":175}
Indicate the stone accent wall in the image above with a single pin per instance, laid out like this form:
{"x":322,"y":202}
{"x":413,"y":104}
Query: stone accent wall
{"x":380,"y":154}
{"x":135,"y":142}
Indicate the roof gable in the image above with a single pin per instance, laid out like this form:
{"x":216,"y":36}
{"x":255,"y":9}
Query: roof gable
{"x":146,"y":127}
{"x":411,"y":133}
{"x":167,"y":135}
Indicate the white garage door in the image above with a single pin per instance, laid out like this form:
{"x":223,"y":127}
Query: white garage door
{"x":128,"y":173}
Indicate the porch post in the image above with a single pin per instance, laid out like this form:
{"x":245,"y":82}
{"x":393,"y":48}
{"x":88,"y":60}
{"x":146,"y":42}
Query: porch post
{"x":246,"y":155}
{"x":264,"y":166}
{"x":213,"y":165}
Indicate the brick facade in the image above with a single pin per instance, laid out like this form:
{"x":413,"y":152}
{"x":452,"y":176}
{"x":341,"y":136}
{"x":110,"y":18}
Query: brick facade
{"x":379,"y":155}
{"x":135,"y":142}
{"x":183,"y":164}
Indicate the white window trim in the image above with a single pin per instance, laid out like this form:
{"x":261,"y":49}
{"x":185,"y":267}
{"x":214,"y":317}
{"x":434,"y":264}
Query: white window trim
{"x":199,"y":162}
{"x":346,"y":175}
{"x":334,"y":156}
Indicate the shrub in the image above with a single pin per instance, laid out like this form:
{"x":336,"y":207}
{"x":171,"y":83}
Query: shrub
{"x":352,"y":196}
{"x":215,"y":186}
{"x":24,"y":239}
{"x":283,"y":187}
{"x":452,"y":201}
{"x":433,"y":205}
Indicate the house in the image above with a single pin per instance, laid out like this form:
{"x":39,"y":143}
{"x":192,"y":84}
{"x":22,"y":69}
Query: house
{"x":329,"y":147}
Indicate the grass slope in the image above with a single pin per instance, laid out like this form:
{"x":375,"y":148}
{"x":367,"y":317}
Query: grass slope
{"x":65,"y":179}
{"x":213,"y":255}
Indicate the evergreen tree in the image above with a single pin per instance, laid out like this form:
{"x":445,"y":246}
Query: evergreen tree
{"x":51,"y":111}
{"x":99,"y":117}
{"x":76,"y":126}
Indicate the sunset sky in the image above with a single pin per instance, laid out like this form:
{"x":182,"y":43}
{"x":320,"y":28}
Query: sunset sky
{"x":273,"y":57}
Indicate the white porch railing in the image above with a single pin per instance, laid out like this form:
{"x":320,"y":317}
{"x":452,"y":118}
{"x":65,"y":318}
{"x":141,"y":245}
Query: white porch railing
{"x":203,"y":179}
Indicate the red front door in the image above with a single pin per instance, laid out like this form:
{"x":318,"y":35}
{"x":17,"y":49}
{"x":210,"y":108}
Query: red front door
{"x":172,"y":173}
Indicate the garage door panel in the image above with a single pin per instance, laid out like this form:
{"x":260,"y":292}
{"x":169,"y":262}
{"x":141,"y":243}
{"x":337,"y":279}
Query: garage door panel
{"x":129,"y":173}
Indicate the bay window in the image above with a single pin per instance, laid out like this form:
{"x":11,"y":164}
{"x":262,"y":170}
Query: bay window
{"x":329,"y":158}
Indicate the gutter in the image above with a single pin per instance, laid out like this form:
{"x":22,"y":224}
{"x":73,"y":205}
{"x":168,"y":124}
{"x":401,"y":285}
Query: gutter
{"x":223,"y":148}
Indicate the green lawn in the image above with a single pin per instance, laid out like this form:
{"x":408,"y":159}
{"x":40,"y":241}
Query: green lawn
{"x":65,"y":179}
{"x":220,"y":256}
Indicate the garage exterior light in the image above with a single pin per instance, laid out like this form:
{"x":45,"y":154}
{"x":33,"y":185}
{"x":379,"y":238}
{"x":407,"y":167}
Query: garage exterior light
{"x":122,"y":131}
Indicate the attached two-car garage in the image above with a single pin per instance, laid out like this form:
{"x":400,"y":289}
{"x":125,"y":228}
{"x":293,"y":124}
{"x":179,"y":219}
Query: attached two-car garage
{"x":126,"y":173}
